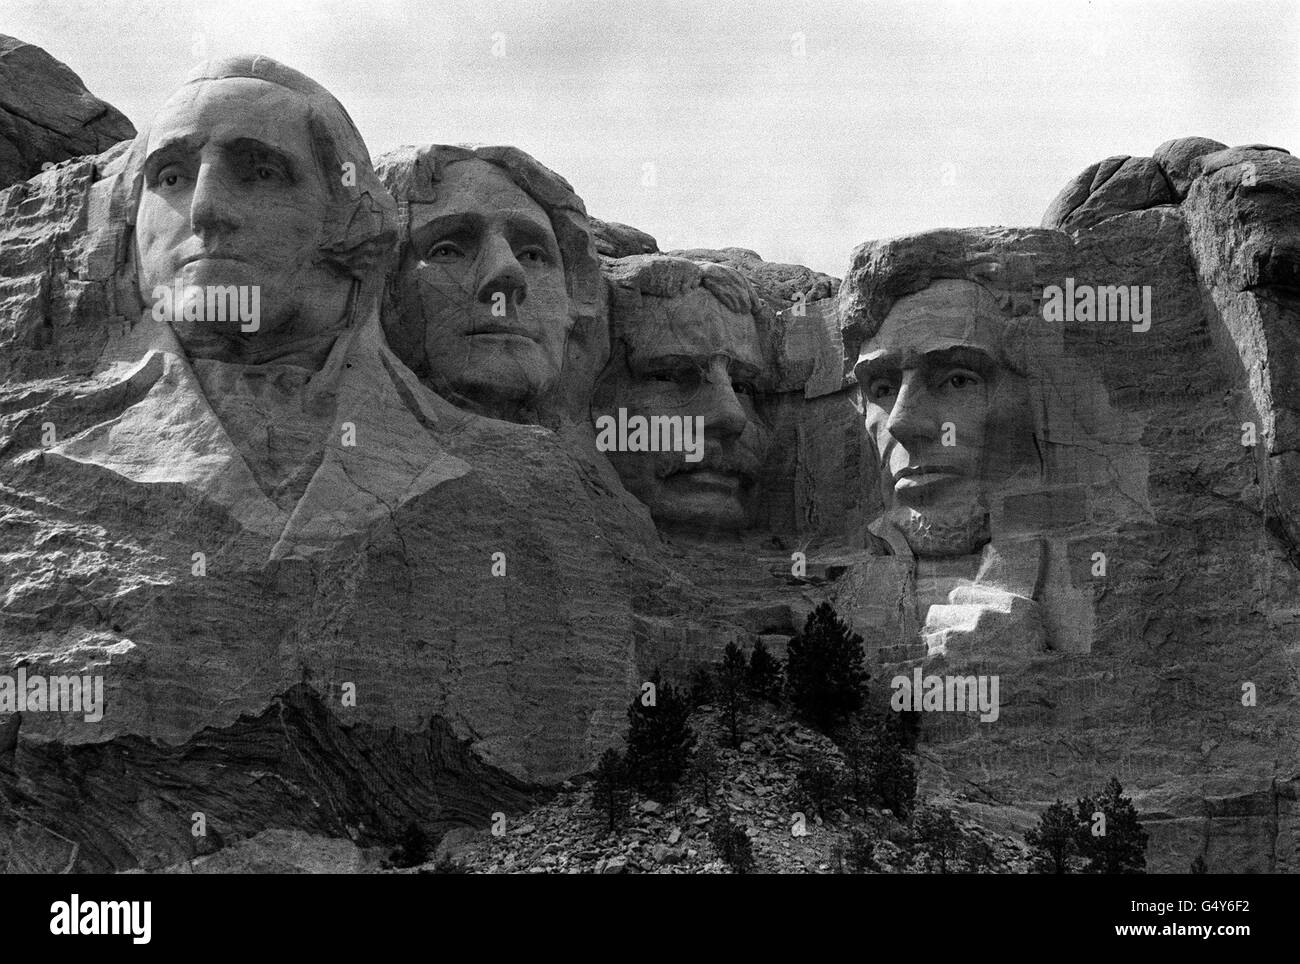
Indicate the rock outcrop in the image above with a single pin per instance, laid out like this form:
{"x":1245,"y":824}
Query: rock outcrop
{"x":47,"y":115}
{"x":332,"y":597}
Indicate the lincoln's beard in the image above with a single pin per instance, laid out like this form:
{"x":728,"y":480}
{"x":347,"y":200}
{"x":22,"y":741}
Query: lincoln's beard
{"x":944,"y":532}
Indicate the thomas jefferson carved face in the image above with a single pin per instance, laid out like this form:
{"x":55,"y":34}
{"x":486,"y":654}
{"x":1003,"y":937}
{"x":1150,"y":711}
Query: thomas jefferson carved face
{"x":950,"y":422}
{"x":233,"y":195}
{"x":484,"y":281}
{"x":688,"y":356}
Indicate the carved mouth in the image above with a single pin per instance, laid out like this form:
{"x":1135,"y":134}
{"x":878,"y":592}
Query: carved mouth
{"x":212,"y":256}
{"x":726,"y":483}
{"x":914,"y":477}
{"x":500,"y":331}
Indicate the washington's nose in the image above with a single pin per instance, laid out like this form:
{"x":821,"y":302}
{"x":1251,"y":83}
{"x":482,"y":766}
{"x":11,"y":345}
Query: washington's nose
{"x":502,"y":272}
{"x":211,"y":207}
{"x":911,"y":420}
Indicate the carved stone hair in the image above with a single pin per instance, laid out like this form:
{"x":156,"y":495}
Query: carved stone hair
{"x":1010,"y":264}
{"x":413,"y":176}
{"x":667,"y":276}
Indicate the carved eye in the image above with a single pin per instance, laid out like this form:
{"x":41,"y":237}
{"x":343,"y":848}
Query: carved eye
{"x":169,"y":176}
{"x":445,"y":251}
{"x":266,"y":173}
{"x":682,"y":375}
{"x":533,"y":255}
{"x":744,"y":388}
{"x":880,"y":388}
{"x":961,"y":380}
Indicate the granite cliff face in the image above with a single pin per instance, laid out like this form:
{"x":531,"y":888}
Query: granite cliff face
{"x":446,"y":606}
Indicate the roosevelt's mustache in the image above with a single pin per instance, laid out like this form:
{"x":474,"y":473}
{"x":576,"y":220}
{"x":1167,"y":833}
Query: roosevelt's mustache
{"x":739,"y":458}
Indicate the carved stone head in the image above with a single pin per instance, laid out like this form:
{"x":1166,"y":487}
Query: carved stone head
{"x":253,"y":176}
{"x":687,"y":342}
{"x":497,"y":290}
{"x":947,"y":411}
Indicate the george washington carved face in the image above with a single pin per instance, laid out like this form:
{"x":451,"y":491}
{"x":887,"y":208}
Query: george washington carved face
{"x":235,"y":193}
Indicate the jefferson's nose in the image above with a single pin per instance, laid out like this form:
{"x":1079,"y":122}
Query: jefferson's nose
{"x":501,"y":271}
{"x":211,"y":207}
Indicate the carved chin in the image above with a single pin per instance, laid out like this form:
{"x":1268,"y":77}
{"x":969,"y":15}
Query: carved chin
{"x":941,"y":534}
{"x":699,"y":511}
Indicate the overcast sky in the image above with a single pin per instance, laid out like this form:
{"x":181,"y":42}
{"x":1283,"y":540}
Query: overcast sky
{"x":797,"y":129}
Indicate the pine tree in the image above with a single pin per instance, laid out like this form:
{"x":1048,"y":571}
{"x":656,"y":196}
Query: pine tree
{"x":824,"y":668}
{"x":610,"y":791}
{"x":880,"y":770}
{"x":1121,"y":849}
{"x":937,"y":836}
{"x":977,"y":854}
{"x":704,"y":772}
{"x":817,"y":784}
{"x":1199,"y":865}
{"x":659,"y":738}
{"x":730,"y":689}
{"x":701,"y":686}
{"x":765,"y":673}
{"x":1054,"y":841}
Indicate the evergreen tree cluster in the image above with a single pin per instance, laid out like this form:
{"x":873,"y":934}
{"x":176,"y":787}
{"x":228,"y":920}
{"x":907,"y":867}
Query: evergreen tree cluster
{"x":1101,"y":835}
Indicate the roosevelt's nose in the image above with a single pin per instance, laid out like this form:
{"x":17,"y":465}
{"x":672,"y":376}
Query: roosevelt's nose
{"x":912,"y":418}
{"x":212,"y":207}
{"x":500,"y":271}
{"x":725,"y":416}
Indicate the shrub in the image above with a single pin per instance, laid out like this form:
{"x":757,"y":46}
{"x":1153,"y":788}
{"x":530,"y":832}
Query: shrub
{"x":412,"y":847}
{"x":857,"y":853}
{"x":733,"y":845}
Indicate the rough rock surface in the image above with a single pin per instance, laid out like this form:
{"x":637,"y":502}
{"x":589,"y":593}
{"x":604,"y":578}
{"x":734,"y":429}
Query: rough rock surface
{"x":614,"y":240}
{"x":409,"y":673}
{"x":47,"y":115}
